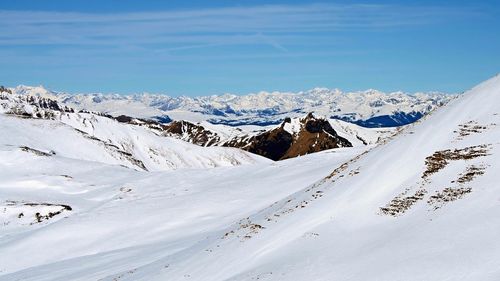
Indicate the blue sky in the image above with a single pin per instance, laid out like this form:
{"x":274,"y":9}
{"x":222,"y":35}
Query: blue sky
{"x":212,"y":47}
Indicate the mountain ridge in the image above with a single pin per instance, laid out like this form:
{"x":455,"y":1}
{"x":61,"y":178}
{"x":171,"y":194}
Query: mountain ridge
{"x":263,"y":108}
{"x":294,"y":137}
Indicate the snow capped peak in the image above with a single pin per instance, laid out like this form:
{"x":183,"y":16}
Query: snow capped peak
{"x":39,"y":91}
{"x":258,"y":108}
{"x":296,"y":124}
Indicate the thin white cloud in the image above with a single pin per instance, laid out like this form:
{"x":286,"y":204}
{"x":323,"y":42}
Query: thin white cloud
{"x":271,"y":25}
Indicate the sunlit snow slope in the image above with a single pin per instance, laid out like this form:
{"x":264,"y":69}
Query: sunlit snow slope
{"x":121,"y":218}
{"x":423,"y":206}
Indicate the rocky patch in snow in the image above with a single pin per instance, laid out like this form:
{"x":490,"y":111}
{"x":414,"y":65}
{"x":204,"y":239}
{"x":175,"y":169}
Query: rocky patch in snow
{"x":470,"y":174}
{"x":14,"y":213}
{"x":440,"y":159}
{"x":36,"y":151}
{"x":446,"y":195}
{"x":403,"y":202}
{"x":471,"y":127}
{"x":435,"y":163}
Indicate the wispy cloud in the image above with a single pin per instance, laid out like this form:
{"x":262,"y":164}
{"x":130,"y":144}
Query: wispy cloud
{"x":274,"y":25}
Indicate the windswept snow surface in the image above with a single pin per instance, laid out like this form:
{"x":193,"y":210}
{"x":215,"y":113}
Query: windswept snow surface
{"x":422,"y":206}
{"x":122,"y":218}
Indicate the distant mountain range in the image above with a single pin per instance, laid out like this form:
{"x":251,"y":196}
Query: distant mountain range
{"x":370,"y":108}
{"x":119,"y":134}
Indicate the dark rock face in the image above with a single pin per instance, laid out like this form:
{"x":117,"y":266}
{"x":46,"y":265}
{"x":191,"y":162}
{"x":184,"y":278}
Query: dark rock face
{"x":272,"y":144}
{"x":315,"y":135}
{"x":313,"y":125}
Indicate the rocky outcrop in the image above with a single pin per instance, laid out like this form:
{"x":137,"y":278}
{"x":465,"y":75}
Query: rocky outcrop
{"x":183,"y":130}
{"x":314,"y":135}
{"x":307,"y":135}
{"x":31,"y":106}
{"x":272,"y":144}
{"x":193,"y":133}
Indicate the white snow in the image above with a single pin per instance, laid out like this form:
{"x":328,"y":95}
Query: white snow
{"x":276,"y":105}
{"x":293,"y":127}
{"x":315,"y":217}
{"x":358,"y":135}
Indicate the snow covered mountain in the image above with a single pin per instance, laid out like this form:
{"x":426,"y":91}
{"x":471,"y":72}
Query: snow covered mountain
{"x":293,"y":137}
{"x":49,"y":128}
{"x":423,"y":205}
{"x":369,"y":108}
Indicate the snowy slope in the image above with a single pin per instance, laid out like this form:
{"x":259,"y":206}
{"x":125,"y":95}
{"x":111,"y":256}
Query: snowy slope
{"x":91,"y":137}
{"x":422,"y":206}
{"x":358,"y":135}
{"x":445,"y":226}
{"x":121,"y":217}
{"x":263,"y":108}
